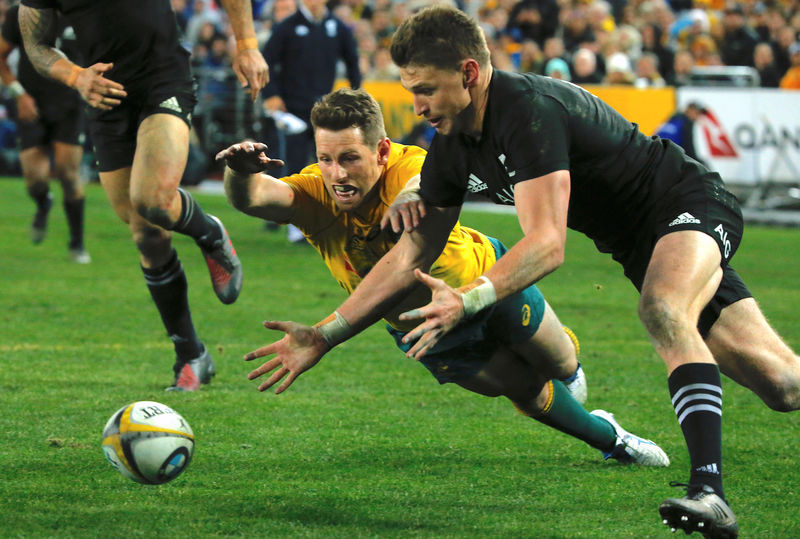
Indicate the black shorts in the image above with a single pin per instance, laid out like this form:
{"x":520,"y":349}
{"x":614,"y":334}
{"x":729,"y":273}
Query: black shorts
{"x":705,"y":206}
{"x":114,"y":131}
{"x":67,"y":128}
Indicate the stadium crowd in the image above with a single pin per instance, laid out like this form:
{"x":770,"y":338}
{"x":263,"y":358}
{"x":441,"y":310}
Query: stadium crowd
{"x":644,"y":43}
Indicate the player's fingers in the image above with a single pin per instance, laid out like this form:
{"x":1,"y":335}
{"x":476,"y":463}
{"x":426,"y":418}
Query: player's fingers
{"x":260,"y":352}
{"x":275,"y":163}
{"x":255,"y":89}
{"x":286,"y":383}
{"x":272,"y":380}
{"x":276,"y":324}
{"x":414,"y":314}
{"x":264,"y":368}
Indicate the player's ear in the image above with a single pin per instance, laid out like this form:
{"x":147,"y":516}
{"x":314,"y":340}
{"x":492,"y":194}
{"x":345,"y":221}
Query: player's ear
{"x":469,"y":73}
{"x":384,"y":147}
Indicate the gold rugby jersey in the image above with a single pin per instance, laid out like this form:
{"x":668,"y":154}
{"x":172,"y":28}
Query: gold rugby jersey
{"x":351,"y":243}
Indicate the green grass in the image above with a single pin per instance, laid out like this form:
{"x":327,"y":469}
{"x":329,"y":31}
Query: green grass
{"x":364,"y":445}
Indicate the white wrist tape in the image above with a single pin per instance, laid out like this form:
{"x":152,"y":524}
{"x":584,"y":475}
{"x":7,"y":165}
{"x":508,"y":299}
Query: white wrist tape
{"x":479,"y":297}
{"x":336,"y":331}
{"x":16,"y":89}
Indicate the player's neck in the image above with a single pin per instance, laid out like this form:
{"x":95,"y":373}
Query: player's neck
{"x":479,"y":95}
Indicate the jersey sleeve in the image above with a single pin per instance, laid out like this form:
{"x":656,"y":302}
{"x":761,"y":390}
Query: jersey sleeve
{"x":313,"y":208}
{"x":10,"y":29}
{"x":536,"y":137}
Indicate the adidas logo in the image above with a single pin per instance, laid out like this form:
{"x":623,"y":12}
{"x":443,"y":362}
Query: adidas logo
{"x":709,"y":468}
{"x":685,"y":218}
{"x":475,"y":184}
{"x":171,"y":104}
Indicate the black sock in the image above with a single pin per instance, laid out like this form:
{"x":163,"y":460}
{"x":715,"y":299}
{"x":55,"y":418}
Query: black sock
{"x":40,"y":193}
{"x":74,"y":212}
{"x":696,"y":393}
{"x":195,"y":223}
{"x":168,"y":288}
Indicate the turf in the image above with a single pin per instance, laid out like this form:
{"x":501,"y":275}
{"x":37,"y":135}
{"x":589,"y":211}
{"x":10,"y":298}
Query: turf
{"x":364,"y":445}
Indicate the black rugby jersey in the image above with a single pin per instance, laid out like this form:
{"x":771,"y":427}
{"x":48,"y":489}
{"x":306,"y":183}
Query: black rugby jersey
{"x":140,"y":37}
{"x":535,"y":125}
{"x":53,"y":99}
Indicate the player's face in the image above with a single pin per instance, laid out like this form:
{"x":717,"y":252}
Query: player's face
{"x":349,"y":167}
{"x":440,"y":96}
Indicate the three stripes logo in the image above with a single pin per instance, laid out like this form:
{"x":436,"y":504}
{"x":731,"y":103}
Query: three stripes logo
{"x":475,"y":184}
{"x":709,"y":468}
{"x":685,"y":218}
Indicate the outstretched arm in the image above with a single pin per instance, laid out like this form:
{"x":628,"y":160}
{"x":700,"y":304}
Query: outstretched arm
{"x":385,"y":285}
{"x":251,"y":191}
{"x":249,"y":64}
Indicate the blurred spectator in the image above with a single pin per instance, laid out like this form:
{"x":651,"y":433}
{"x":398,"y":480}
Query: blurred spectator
{"x":553,"y":48}
{"x":652,"y":41}
{"x":618,"y":69}
{"x":533,"y":19}
{"x":785,"y":37}
{"x":383,"y":68}
{"x":557,"y":68}
{"x":181,"y":10}
{"x":576,"y":30}
{"x":202,"y":13}
{"x":765,"y":65}
{"x":584,"y":66}
{"x":382,"y":28}
{"x":682,"y":69}
{"x":739,"y":40}
{"x":531,"y":57}
{"x":680,"y":128}
{"x":647,"y":74}
{"x":791,"y":80}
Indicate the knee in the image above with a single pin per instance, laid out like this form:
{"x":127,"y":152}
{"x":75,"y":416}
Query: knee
{"x":660,"y":318}
{"x":153,"y":214}
{"x":38,"y":188}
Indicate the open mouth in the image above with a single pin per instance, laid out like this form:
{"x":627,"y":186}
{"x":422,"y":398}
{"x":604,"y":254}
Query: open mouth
{"x":435,"y":121}
{"x":344,"y":192}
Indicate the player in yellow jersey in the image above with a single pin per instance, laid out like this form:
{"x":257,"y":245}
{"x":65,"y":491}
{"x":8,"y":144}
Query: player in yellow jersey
{"x":518,"y":349}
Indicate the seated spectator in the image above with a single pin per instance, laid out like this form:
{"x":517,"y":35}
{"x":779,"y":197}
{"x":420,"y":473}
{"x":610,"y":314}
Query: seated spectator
{"x":584,"y":66}
{"x":383,"y":68}
{"x":765,"y":64}
{"x":557,"y":68}
{"x":682,"y":69}
{"x":647,"y":74}
{"x":619,"y":70}
{"x":576,"y":30}
{"x":791,"y":80}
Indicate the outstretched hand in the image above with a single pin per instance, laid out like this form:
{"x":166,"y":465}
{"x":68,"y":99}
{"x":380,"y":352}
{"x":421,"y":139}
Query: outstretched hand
{"x":248,"y":158}
{"x":442,"y":314}
{"x":300,"y":349}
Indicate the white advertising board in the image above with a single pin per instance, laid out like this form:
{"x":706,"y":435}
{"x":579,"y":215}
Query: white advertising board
{"x":749,"y":135}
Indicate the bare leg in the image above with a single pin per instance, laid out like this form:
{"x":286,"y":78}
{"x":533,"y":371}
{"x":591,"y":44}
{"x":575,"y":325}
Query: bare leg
{"x":750,"y":352}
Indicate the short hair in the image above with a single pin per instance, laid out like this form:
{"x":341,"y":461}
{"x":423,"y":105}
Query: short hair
{"x":346,"y":108}
{"x":439,"y":36}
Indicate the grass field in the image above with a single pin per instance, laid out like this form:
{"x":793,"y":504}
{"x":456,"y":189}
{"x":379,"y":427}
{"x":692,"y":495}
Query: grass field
{"x":364,"y":445}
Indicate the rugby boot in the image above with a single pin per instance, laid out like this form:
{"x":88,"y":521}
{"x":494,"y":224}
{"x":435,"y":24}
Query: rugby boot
{"x":576,"y":384}
{"x":631,"y":449}
{"x":190,"y":374}
{"x":702,"y":510}
{"x":39,"y":225}
{"x":223,"y":265}
{"x":80,"y":256}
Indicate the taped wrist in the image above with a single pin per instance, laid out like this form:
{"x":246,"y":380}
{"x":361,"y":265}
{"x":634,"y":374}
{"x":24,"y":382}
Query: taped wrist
{"x":479,"y":297}
{"x":335,"y":329}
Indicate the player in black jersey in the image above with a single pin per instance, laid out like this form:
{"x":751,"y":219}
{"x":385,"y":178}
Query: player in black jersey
{"x":139,"y":87}
{"x":566,"y":159}
{"x":51,"y":125}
